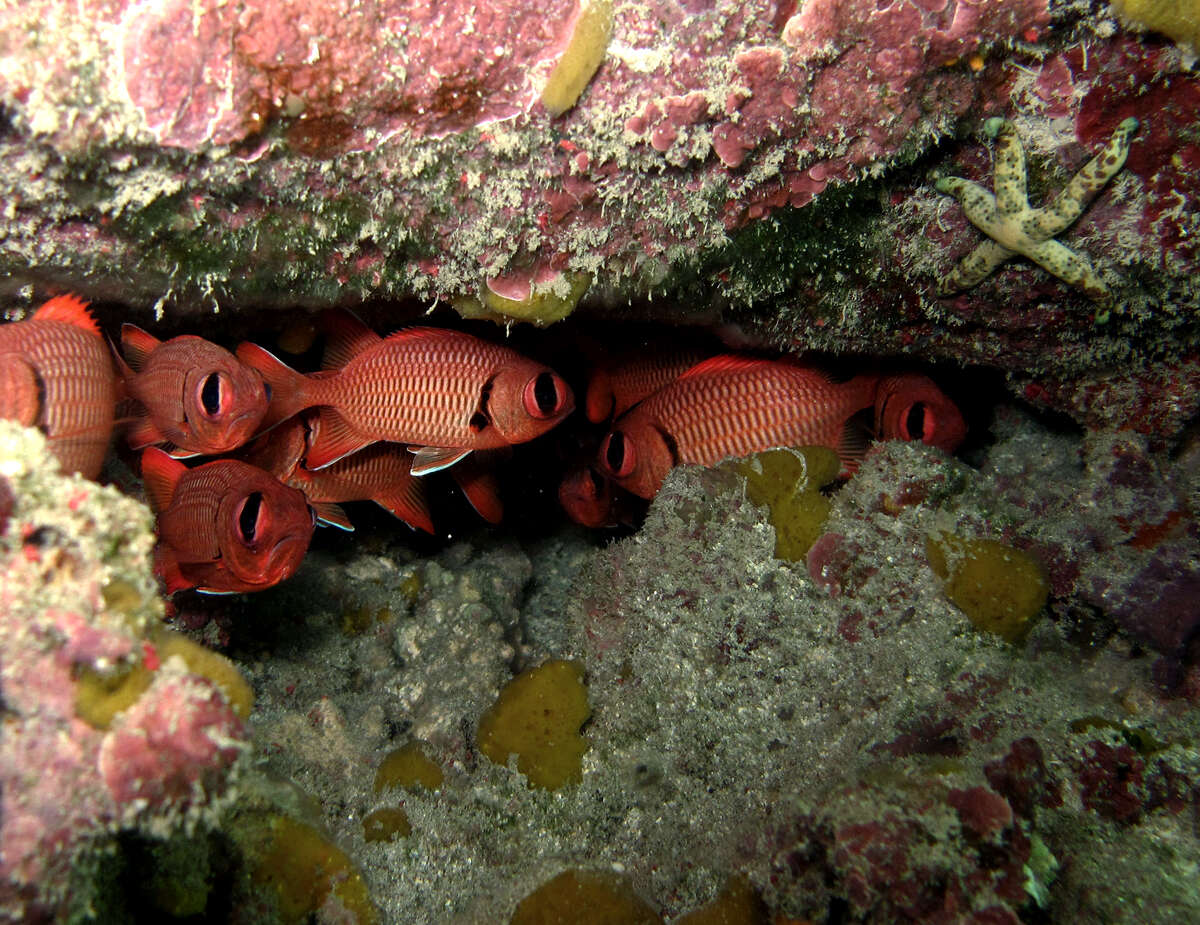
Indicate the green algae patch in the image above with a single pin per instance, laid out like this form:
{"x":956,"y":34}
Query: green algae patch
{"x":788,"y":483}
{"x":1000,"y":589}
{"x":386,"y":824}
{"x":581,"y":58}
{"x":537,"y":718}
{"x":408,"y":766}
{"x":303,"y":871}
{"x":585,"y":897}
{"x":208,"y":664}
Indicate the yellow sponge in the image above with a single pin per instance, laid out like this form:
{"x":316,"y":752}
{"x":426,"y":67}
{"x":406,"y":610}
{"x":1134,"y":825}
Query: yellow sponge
{"x":1178,"y":20}
{"x":582,"y":57}
{"x":788,"y":482}
{"x":408,"y":766}
{"x":999,"y":588}
{"x":584,"y":897}
{"x":537,"y":718}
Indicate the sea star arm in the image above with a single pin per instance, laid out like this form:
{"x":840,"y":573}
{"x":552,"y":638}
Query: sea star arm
{"x":1069,"y":204}
{"x":1009,"y":173}
{"x":975,"y":267}
{"x":978,"y":204}
{"x":1069,"y":266}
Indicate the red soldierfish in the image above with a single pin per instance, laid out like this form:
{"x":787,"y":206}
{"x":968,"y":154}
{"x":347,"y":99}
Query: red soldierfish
{"x":224,"y":526}
{"x":616,"y":386}
{"x":381,"y":473}
{"x":196,"y":395}
{"x":56,"y":374}
{"x":732,"y":406}
{"x":443,"y":391}
{"x":910,"y":406}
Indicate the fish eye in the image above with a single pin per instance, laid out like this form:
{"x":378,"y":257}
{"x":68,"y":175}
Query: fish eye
{"x":213,"y":394}
{"x":542,"y":397}
{"x":915,"y":421}
{"x":249,"y":519}
{"x":617,"y":454}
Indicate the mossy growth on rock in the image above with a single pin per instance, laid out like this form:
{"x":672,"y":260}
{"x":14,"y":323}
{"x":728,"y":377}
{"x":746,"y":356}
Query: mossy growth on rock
{"x":537,"y":718}
{"x":788,"y":483}
{"x":1000,"y":589}
{"x":585,"y":897}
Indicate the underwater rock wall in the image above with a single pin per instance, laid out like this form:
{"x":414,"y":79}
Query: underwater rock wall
{"x":768,"y":164}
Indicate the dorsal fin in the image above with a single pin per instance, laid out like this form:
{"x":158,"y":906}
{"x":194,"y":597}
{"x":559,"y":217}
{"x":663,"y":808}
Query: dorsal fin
{"x":161,"y":474}
{"x":346,"y":338}
{"x":137,"y":345}
{"x":68,"y":309}
{"x":726,"y":363}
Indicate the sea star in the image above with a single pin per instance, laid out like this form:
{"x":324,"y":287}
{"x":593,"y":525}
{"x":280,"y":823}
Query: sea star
{"x":1013,"y":227}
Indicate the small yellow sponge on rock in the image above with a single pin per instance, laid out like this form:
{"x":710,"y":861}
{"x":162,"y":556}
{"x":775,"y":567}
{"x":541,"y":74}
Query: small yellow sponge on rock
{"x":537,"y":718}
{"x":999,"y":588}
{"x":581,"y":58}
{"x":1178,"y":20}
{"x":585,"y":897}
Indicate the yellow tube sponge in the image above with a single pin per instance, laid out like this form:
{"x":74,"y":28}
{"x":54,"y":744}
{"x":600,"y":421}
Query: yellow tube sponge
{"x":999,"y":588}
{"x":1178,"y":20}
{"x":537,"y":718}
{"x":582,"y":56}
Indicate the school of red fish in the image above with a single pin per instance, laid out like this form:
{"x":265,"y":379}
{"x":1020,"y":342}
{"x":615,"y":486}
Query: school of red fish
{"x":384,"y":412}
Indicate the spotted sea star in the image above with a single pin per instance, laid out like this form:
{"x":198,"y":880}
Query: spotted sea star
{"x":1013,"y":227}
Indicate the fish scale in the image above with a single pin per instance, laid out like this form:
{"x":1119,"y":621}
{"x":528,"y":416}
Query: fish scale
{"x":732,"y":406}
{"x":75,"y":388}
{"x":420,"y":387}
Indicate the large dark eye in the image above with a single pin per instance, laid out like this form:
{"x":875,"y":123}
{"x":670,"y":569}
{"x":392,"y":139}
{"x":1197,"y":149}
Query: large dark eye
{"x":543,"y":398}
{"x":914,"y":422}
{"x":249,"y":516}
{"x":617,"y":455}
{"x":212,"y":390}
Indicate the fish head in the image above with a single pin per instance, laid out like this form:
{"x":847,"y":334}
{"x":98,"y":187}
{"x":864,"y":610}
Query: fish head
{"x":910,"y":406}
{"x":586,"y":496}
{"x":224,"y":400}
{"x":264,"y":528}
{"x":637,"y":455}
{"x":525,"y":400}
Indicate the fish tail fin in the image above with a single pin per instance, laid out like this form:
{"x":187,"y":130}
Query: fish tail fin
{"x":288,"y":390}
{"x":161,"y":475}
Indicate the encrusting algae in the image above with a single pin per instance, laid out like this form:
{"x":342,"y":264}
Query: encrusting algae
{"x":537,"y":718}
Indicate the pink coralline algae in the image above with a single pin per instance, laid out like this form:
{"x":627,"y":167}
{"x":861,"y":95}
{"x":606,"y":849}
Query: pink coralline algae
{"x":349,"y":73}
{"x":76,"y":598}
